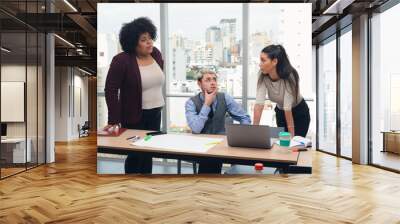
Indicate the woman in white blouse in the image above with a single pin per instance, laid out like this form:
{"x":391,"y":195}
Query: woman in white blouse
{"x":280,"y":81}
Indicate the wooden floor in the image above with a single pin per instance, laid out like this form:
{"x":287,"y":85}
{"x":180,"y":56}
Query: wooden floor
{"x":5,"y":172}
{"x":70,"y":191}
{"x":10,"y":171}
{"x":387,"y":159}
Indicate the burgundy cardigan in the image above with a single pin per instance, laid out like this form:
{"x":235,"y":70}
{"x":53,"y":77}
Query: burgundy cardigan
{"x":124,"y":75}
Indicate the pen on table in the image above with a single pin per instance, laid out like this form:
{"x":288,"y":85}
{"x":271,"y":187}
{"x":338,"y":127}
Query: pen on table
{"x":133,"y":137}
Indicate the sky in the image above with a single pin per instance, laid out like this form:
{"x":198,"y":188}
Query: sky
{"x":192,"y":18}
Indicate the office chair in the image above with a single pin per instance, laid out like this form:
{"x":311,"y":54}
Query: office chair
{"x":84,"y":130}
{"x":179,"y":164}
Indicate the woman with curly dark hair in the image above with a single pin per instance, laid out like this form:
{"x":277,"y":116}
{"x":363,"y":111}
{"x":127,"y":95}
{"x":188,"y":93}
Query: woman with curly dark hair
{"x":133,"y":89}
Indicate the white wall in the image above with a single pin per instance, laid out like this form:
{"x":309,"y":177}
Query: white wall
{"x":33,"y":127}
{"x":61,"y":103}
{"x":71,"y":94}
{"x":16,"y":73}
{"x":80,"y":89}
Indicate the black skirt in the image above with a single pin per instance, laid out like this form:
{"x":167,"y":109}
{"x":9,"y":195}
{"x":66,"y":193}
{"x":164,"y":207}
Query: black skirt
{"x":301,"y":117}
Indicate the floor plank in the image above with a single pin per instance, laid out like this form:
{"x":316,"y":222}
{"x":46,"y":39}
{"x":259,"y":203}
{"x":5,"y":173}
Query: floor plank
{"x":70,"y":191}
{"x":387,"y":159}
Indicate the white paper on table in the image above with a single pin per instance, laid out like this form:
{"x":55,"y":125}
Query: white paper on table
{"x":185,"y":143}
{"x":300,"y":141}
{"x":296,"y":141}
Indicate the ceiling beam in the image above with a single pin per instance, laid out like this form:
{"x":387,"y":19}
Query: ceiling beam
{"x":82,"y":61}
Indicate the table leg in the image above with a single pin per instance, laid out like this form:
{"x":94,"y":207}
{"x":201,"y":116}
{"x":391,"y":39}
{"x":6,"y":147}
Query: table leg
{"x":179,"y":166}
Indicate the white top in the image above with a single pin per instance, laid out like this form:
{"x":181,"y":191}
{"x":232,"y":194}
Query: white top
{"x":152,"y":82}
{"x":277,"y":93}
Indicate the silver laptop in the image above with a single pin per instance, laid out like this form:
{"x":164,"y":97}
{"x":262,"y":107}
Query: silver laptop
{"x":251,"y":136}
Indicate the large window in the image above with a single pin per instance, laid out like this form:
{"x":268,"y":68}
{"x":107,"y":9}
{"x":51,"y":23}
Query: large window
{"x":285,"y":24}
{"x":385,"y":84}
{"x":22,"y":88}
{"x":288,"y":25}
{"x":327,"y":96}
{"x":335,"y":60}
{"x":345,"y":93}
{"x":213,"y":43}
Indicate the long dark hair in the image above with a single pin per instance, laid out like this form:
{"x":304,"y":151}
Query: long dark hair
{"x":284,"y":69}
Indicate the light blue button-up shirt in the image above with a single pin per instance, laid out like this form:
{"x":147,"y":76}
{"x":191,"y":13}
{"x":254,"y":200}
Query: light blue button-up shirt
{"x":196,"y":121}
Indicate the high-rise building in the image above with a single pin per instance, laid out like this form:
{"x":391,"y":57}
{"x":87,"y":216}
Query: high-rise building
{"x":213,"y":34}
{"x":108,"y":47}
{"x":258,"y":41}
{"x":228,"y":35}
{"x":177,"y":68}
{"x":228,"y":32}
{"x":214,"y":41}
{"x":177,"y":40}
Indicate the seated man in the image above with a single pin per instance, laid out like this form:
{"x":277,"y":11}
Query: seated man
{"x":205,"y":114}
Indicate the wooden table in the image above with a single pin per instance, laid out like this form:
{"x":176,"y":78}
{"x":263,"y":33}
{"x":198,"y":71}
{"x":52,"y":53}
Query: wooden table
{"x":286,"y":159}
{"x":13,"y":150}
{"x":391,"y":141}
